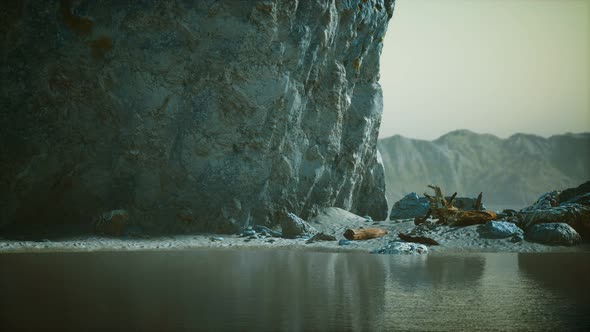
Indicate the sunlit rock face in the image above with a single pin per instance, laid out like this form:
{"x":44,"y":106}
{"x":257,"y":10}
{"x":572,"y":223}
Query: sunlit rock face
{"x":189,"y":115}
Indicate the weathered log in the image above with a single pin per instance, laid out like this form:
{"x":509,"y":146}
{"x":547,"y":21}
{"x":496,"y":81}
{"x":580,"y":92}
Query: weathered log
{"x":466,"y":218}
{"x":418,"y":239}
{"x":447,"y":213}
{"x":364,"y":233}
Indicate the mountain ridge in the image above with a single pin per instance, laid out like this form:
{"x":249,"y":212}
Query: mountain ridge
{"x":510,"y":172}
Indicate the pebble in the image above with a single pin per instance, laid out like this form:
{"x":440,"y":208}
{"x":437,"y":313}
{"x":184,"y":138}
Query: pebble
{"x":216,"y":238}
{"x":343,"y":242}
{"x":249,"y":232}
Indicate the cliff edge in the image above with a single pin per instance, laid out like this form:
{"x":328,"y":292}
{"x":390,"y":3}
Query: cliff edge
{"x":189,"y":115}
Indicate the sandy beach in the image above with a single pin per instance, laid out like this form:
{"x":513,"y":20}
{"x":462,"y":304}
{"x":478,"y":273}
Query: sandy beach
{"x":331,"y":221}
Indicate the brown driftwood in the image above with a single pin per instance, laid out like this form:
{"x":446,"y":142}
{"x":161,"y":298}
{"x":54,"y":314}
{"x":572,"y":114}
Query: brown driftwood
{"x":466,"y":218}
{"x":418,"y":239}
{"x":364,"y":233}
{"x":447,"y":213}
{"x":478,"y":202}
{"x":421,"y":220}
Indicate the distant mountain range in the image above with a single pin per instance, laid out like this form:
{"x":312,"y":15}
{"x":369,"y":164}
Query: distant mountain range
{"x":510,"y":172}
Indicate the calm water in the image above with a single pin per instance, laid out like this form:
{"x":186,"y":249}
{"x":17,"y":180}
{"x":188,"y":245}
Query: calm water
{"x":255,"y":290}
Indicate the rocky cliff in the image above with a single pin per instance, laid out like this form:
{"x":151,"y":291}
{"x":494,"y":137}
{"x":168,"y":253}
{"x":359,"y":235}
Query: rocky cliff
{"x":189,"y":115}
{"x":511,"y":172}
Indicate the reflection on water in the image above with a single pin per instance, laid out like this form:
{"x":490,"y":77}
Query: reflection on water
{"x":293,"y":290}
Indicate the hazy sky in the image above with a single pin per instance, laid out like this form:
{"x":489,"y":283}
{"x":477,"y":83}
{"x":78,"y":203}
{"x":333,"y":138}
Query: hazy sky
{"x":491,"y":66}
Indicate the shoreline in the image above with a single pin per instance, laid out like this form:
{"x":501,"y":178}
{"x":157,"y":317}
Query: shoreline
{"x":459,"y":243}
{"x":331,"y":221}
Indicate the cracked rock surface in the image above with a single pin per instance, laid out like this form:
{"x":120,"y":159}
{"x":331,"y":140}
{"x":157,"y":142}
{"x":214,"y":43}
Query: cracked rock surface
{"x":189,"y":115}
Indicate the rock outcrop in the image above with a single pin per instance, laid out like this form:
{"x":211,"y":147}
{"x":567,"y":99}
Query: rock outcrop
{"x":569,"y":207}
{"x":500,"y":229}
{"x":190,"y":115}
{"x":553,"y":234}
{"x":410,"y":206}
{"x":292,"y":226}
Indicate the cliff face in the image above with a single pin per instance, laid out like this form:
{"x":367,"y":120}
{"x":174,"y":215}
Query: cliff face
{"x":190,"y":115}
{"x":511,"y":173}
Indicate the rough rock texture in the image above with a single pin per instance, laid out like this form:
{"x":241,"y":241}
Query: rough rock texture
{"x":554,"y":234}
{"x":500,"y":229}
{"x":190,"y":115}
{"x":545,"y":201}
{"x":293,"y":226}
{"x":410,"y":206}
{"x":580,"y":194}
{"x":401,"y":248}
{"x":575,"y":215}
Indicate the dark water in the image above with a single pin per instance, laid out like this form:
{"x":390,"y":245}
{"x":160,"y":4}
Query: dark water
{"x":255,"y":290}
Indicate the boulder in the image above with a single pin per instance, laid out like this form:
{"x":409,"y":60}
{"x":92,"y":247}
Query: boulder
{"x":410,"y":206}
{"x":293,"y":227}
{"x":575,"y":215}
{"x":191,"y":115}
{"x":500,"y":229}
{"x":580,"y":194}
{"x":553,"y":234}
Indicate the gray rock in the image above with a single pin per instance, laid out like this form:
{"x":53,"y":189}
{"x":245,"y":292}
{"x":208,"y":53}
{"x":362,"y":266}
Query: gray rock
{"x":545,"y":201}
{"x":401,"y":248}
{"x":553,"y":234}
{"x":248,"y":232}
{"x":583,"y":199}
{"x":506,"y":214}
{"x":321,"y":237}
{"x":293,"y":227}
{"x":343,"y":242}
{"x":268,"y":231}
{"x":580,"y":194}
{"x":193,"y":115}
{"x":466,"y":203}
{"x":410,"y":206}
{"x":575,"y":215}
{"x":500,"y":229}
{"x":215,"y":239}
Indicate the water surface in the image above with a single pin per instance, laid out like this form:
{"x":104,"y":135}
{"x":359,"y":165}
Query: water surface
{"x":256,"y":290}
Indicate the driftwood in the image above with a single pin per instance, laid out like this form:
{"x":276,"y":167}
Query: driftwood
{"x":364,"y":233}
{"x":466,"y":218}
{"x":418,"y":239}
{"x":447,"y":213}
